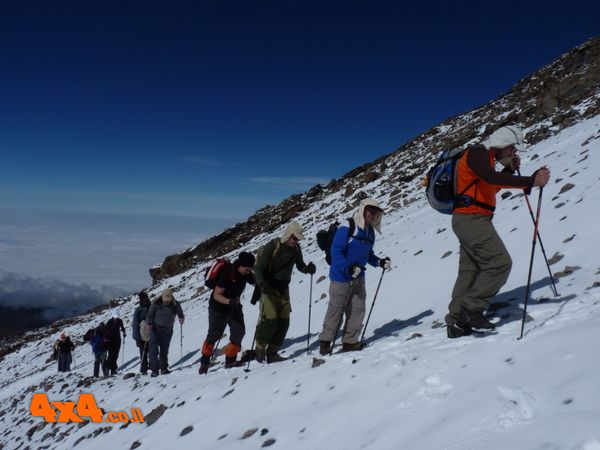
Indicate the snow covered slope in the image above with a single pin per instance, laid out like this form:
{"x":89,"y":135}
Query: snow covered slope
{"x":411,"y":387}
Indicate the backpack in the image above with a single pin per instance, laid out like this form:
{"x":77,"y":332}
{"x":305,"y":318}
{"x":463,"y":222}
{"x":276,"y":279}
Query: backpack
{"x":144,"y":333}
{"x":325,"y":237}
{"x":211,"y":275}
{"x":441,"y":184}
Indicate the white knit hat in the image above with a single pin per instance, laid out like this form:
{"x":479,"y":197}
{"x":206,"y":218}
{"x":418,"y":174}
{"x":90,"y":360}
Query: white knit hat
{"x":505,"y":136}
{"x":295,"y":229}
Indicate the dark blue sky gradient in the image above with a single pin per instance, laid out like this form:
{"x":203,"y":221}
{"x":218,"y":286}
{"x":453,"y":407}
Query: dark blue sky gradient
{"x":216,"y":108}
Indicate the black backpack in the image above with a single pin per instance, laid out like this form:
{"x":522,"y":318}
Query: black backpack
{"x":325,"y":237}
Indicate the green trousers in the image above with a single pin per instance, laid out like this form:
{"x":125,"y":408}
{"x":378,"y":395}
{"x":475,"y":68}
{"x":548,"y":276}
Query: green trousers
{"x":274,"y":322}
{"x":483,"y":267}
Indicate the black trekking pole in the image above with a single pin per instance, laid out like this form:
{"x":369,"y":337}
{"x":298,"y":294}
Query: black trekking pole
{"x":541,"y":243}
{"x":309,"y":312}
{"x":180,"y":341}
{"x":247,"y":369}
{"x":123,"y":354}
{"x":372,"y":304}
{"x":341,"y":317}
{"x":535,"y":235}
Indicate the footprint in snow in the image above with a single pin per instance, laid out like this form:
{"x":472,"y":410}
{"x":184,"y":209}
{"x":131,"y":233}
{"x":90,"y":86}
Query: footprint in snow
{"x":434,"y":387}
{"x":517,"y":406}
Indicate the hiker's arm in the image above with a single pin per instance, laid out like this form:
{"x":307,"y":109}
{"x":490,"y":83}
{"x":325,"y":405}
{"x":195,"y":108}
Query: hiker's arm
{"x":179,"y":311}
{"x":478,"y":161}
{"x":150,"y":315}
{"x":373,"y":259}
{"x":262,"y":263}
{"x":135,"y":325}
{"x":340,"y":241}
{"x":219,"y":295}
{"x":300,"y":264}
{"x":219,"y":290}
{"x":122,"y":327}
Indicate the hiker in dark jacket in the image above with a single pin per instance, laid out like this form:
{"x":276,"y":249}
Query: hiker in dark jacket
{"x":347,"y":294}
{"x":159,"y":322}
{"x":225,"y":309}
{"x":273,"y":271}
{"x":484,"y":263}
{"x":113,"y":329}
{"x":99,"y":346}
{"x":139,"y":316}
{"x":63,"y":348}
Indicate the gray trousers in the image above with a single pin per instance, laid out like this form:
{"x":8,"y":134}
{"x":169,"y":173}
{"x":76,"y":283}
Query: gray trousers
{"x":160,"y":340}
{"x":483,"y":267}
{"x":348,"y":298}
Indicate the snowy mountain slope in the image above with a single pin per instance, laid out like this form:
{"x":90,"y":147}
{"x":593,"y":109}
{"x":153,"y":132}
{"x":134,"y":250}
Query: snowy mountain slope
{"x":412,"y":387}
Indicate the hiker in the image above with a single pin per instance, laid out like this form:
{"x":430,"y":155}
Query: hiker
{"x":159,"y":322}
{"x":484,"y":263}
{"x":112,"y":332}
{"x":63,"y":348}
{"x":273,"y":271}
{"x":224,"y":308}
{"x":351,"y":250}
{"x":137,"y":329}
{"x":99,"y":345}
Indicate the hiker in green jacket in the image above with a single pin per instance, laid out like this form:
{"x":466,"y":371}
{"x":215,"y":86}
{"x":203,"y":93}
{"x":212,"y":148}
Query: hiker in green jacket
{"x":273,"y":271}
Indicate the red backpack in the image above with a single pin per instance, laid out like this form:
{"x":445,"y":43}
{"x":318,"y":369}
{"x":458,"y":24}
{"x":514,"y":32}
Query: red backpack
{"x":211,"y":275}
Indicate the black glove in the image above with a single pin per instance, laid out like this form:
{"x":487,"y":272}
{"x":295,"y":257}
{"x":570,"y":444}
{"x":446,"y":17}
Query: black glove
{"x":255,"y":295}
{"x":311,"y":268}
{"x":385,"y":263}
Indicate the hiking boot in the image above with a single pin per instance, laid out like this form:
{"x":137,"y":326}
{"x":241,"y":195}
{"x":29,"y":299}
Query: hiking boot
{"x":476,"y":319}
{"x":230,"y":362}
{"x":260,"y":355}
{"x":275,"y":358}
{"x":203,"y":368}
{"x":458,"y":329}
{"x":144,"y":372}
{"x":352,"y":347}
{"x":165,"y":372}
{"x":154,"y":373}
{"x":325,"y":348}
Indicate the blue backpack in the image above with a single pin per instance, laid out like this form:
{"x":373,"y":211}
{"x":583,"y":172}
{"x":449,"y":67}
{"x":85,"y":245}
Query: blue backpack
{"x":441,"y":183}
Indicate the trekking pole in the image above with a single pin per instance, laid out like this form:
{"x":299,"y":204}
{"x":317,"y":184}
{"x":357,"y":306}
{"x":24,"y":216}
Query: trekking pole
{"x":541,"y":244}
{"x":341,"y":317}
{"x":372,"y":304}
{"x":309,"y":312}
{"x":535,"y":235}
{"x":247,"y":369}
{"x":180,"y":341}
{"x":123,"y":354}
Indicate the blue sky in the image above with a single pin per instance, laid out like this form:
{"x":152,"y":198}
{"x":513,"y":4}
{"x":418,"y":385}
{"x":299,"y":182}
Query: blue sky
{"x":213,"y":109}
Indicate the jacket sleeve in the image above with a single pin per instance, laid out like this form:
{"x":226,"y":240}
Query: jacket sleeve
{"x":478,"y":162}
{"x":135,"y":325}
{"x":340,"y":241}
{"x":151,"y":314}
{"x":179,"y":311}
{"x":300,"y":264}
{"x":121,"y":326}
{"x":262,"y":263}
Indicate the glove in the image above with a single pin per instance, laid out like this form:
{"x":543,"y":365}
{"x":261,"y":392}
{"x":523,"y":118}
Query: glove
{"x":255,"y":295}
{"x":385,"y":263}
{"x":311,"y":268}
{"x":355,"y":270}
{"x":234,"y":302}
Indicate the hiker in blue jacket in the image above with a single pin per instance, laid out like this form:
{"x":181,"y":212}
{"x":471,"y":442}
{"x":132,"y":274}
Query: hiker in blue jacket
{"x":351,"y":250}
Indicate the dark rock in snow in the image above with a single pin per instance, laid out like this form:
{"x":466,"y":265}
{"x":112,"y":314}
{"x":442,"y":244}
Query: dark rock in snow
{"x":317,"y":362}
{"x":186,"y":430}
{"x":321,"y":278}
{"x":445,"y":255}
{"x":129,"y":375}
{"x":569,"y":239}
{"x":268,"y":443}
{"x":227,"y":393}
{"x":568,"y":270}
{"x":418,"y":253}
{"x":264,"y":431}
{"x":249,"y":433}
{"x":155,"y":414}
{"x":323,"y":295}
{"x":135,"y":445}
{"x":414,"y":335}
{"x":555,"y":258}
{"x":567,"y":187}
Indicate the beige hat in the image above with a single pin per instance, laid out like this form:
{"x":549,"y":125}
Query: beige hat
{"x":505,"y":136}
{"x":359,"y":217}
{"x":167,"y":295}
{"x":295,"y":229}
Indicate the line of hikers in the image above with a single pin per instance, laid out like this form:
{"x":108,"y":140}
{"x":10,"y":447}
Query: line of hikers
{"x":484,"y":266}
